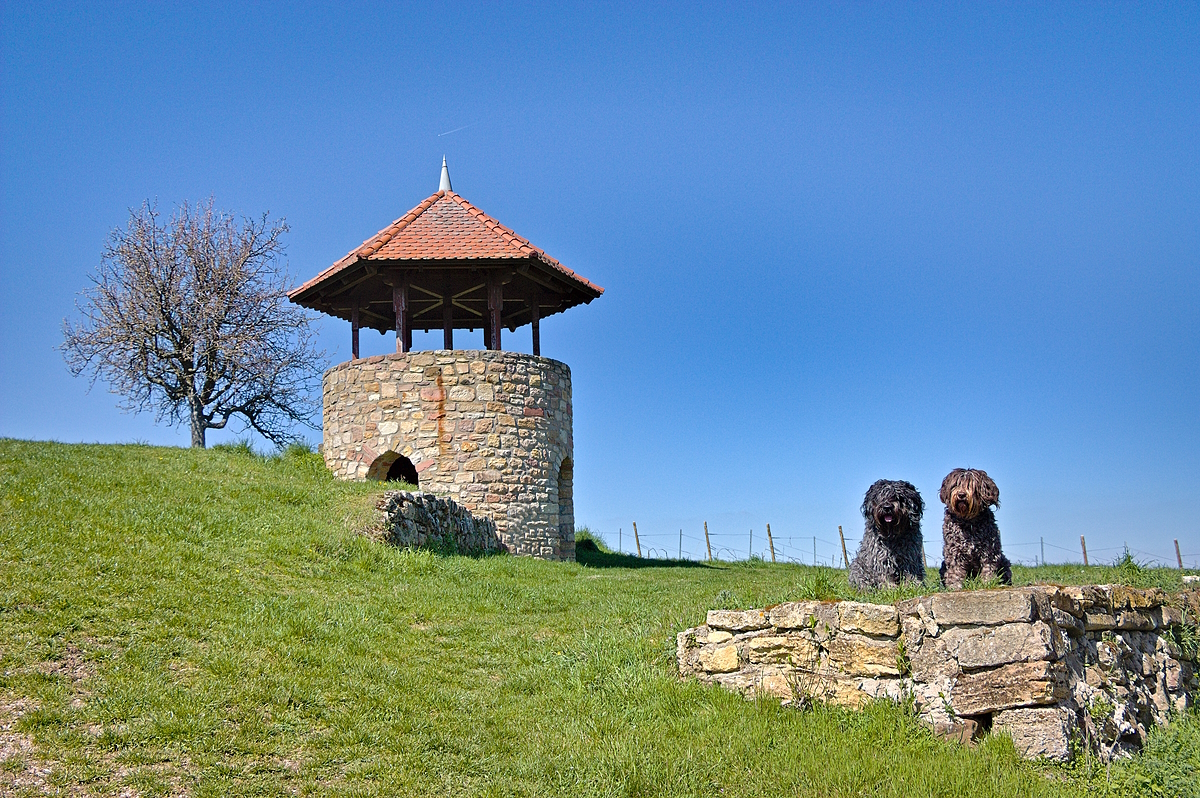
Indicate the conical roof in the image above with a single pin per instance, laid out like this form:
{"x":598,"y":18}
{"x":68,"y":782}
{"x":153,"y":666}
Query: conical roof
{"x":445,"y":239}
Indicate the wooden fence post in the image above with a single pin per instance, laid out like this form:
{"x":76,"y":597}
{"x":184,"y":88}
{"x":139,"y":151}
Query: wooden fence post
{"x":751,"y":549}
{"x":1178,"y":556}
{"x":845,"y":559}
{"x":707,"y":542}
{"x":636,"y":539}
{"x":1083,"y":545}
{"x":771,"y":543}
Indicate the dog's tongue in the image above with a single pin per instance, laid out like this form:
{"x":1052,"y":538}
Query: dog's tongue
{"x":887,"y":518}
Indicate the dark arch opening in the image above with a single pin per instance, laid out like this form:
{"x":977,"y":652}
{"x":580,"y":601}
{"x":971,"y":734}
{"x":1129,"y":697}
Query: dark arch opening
{"x":402,"y":471}
{"x":393,"y":467}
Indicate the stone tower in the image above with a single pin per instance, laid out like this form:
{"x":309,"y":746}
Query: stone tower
{"x":488,"y":428}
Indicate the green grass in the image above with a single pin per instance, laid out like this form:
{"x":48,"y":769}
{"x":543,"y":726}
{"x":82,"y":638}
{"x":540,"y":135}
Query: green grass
{"x":210,"y":623}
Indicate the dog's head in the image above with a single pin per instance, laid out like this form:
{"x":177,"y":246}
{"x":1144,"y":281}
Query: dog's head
{"x":967,"y":491}
{"x":894,"y":505}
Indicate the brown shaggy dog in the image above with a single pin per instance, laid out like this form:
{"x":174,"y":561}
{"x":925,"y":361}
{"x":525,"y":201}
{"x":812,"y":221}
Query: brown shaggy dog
{"x":970,"y":537}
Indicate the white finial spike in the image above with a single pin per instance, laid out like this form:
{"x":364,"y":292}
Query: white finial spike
{"x":444,"y":185}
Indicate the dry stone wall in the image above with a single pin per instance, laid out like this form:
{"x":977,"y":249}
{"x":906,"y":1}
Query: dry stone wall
{"x":421,"y":520}
{"x":490,"y":430}
{"x":1057,"y":668}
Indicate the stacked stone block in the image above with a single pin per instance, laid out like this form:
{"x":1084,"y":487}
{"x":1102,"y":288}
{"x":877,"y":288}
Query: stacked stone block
{"x":1057,"y":668}
{"x":424,"y":521}
{"x":490,"y":430}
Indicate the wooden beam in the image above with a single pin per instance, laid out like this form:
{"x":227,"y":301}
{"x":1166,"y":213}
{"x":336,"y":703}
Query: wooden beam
{"x":382,"y":322}
{"x":327,"y":293}
{"x":431,"y":294}
{"x":549,"y":284}
{"x":535,"y":318}
{"x":495,"y":309}
{"x":470,"y":290}
{"x":430,"y":307}
{"x":447,"y":317}
{"x":472,"y":311}
{"x":400,"y":309}
{"x":354,"y":330}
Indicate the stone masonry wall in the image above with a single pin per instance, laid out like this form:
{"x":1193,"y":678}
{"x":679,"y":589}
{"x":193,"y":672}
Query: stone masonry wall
{"x":490,"y":430}
{"x":1057,"y":668}
{"x":420,"y":520}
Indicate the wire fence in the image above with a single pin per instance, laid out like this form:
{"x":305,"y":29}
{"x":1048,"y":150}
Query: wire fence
{"x":816,"y":549}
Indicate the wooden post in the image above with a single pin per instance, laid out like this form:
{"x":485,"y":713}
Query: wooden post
{"x":845,"y":559}
{"x":680,"y":555}
{"x":400,"y":309}
{"x":771,"y":542}
{"x":495,"y":292}
{"x":1178,"y":556}
{"x":814,"y":549}
{"x":636,"y":539}
{"x":924,"y":558}
{"x":707,"y":542}
{"x":354,"y":329}
{"x":1083,"y":545}
{"x":1043,"y":540}
{"x":535,"y":313}
{"x":751,"y":549}
{"x":447,"y":317}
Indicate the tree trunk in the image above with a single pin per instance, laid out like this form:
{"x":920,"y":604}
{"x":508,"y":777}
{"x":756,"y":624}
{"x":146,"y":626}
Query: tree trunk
{"x":199,"y":425}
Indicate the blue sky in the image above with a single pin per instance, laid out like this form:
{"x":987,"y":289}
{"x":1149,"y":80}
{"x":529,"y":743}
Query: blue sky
{"x":839,"y":242}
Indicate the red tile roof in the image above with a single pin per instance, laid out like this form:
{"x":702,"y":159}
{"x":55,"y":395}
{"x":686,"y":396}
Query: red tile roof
{"x":446,"y":227}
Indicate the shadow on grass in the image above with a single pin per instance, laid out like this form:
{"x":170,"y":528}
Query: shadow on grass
{"x":594,"y":558}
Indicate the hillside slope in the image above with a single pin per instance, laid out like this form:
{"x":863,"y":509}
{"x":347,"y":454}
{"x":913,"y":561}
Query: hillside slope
{"x":209,"y":623}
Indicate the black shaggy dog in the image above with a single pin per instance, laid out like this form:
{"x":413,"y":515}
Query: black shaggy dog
{"x":891,"y":551}
{"x":971,"y":539}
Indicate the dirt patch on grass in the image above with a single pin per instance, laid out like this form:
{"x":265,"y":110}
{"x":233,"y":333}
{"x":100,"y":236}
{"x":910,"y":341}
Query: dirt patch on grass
{"x":26,"y":771}
{"x":71,"y":665}
{"x":20,"y":768}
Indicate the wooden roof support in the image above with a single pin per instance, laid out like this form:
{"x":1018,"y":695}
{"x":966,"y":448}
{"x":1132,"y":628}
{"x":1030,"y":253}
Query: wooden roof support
{"x":369,"y":318}
{"x":447,"y":317}
{"x":400,"y":309}
{"x":348,"y":282}
{"x":535,"y":318}
{"x":495,"y":303}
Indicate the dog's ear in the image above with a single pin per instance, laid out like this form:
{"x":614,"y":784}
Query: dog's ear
{"x":989,"y":494}
{"x":948,"y":485}
{"x":914,"y":504}
{"x":870,"y":499}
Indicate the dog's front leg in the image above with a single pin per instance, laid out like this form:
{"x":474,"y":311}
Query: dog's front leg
{"x":1001,"y":571}
{"x":954,"y":573}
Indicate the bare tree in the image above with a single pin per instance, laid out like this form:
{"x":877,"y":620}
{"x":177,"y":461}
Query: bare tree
{"x":190,"y":319}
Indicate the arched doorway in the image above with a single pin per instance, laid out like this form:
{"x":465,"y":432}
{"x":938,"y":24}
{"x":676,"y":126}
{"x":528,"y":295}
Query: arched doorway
{"x":393,"y":467}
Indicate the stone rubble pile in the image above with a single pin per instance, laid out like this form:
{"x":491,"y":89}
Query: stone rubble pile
{"x":1057,"y":668}
{"x":421,"y":520}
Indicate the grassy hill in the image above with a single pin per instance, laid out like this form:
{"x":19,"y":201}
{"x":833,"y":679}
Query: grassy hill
{"x":209,"y":623}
